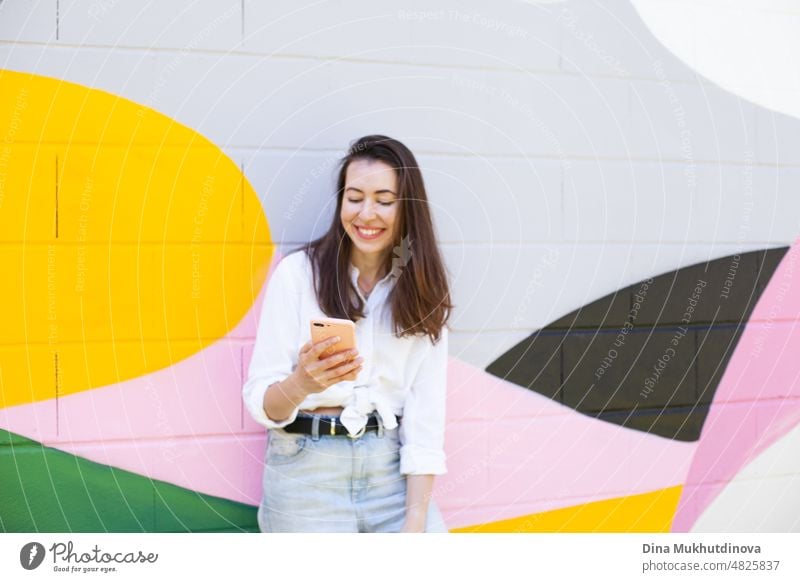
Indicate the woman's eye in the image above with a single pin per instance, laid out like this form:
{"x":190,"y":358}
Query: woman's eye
{"x":387,"y":203}
{"x":353,"y":200}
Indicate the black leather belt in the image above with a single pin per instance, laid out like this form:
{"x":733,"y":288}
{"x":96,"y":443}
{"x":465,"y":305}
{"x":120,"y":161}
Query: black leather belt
{"x":329,"y":425}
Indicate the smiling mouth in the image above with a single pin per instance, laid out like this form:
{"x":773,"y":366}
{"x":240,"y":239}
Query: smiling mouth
{"x":369,"y":233}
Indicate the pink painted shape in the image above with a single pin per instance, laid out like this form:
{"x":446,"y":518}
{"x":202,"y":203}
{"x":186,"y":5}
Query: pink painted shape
{"x":34,"y":421}
{"x":248,"y":424}
{"x":512,"y":452}
{"x":196,"y":396}
{"x":762,"y":373}
{"x":222,"y":466}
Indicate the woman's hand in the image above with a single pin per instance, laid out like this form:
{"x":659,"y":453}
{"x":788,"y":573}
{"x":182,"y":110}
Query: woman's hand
{"x":315,"y":374}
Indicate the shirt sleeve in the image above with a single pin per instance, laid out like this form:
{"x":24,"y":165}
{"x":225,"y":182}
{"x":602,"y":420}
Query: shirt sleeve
{"x":422,"y":426}
{"x":276,"y":347}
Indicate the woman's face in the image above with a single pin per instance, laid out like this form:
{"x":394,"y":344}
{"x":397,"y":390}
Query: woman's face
{"x":370,"y":206}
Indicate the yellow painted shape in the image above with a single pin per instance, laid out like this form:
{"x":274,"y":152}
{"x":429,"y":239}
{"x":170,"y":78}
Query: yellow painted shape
{"x":119,"y":228}
{"x":33,"y":366}
{"x":138,"y":193}
{"x":32,"y":169}
{"x":645,"y":512}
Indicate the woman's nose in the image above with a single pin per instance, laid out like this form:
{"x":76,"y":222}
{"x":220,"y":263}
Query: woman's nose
{"x":367,"y":211}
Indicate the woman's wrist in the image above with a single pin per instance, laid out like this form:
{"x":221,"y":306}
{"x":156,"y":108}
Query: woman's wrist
{"x":283,"y":397}
{"x":294,"y":387}
{"x":292,"y":390}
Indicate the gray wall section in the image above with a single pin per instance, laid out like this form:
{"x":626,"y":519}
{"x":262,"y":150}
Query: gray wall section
{"x":552,"y":128}
{"x":649,"y":356}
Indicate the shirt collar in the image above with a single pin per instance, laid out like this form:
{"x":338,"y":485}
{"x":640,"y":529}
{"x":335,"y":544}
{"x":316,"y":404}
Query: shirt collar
{"x":354,"y":273}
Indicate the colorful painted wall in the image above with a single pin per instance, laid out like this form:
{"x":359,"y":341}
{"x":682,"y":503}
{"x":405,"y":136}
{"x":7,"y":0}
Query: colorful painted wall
{"x":617,"y":207}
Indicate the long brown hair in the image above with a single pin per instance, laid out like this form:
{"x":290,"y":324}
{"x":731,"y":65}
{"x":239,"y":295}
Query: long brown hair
{"x":420,"y":298}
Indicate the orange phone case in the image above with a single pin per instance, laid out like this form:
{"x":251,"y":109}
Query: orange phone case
{"x":326,"y":327}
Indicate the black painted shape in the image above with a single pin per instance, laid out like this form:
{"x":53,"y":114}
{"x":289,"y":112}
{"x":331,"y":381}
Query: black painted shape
{"x":650,"y":356}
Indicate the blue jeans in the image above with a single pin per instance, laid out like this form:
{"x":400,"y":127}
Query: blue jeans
{"x":327,"y":483}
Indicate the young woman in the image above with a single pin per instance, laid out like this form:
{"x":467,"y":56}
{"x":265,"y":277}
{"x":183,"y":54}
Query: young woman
{"x":356,"y":438}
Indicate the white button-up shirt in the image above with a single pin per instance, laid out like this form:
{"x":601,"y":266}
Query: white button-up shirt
{"x":400,"y":377}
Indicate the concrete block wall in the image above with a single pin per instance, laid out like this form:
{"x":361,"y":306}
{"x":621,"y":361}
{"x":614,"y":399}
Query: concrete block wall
{"x":571,"y":150}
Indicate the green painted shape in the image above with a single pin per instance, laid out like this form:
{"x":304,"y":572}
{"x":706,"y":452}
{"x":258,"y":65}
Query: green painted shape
{"x":8,"y":439}
{"x":46,"y":490}
{"x":179,"y":509}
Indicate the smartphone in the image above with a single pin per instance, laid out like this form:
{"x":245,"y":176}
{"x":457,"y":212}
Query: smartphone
{"x":326,"y":327}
